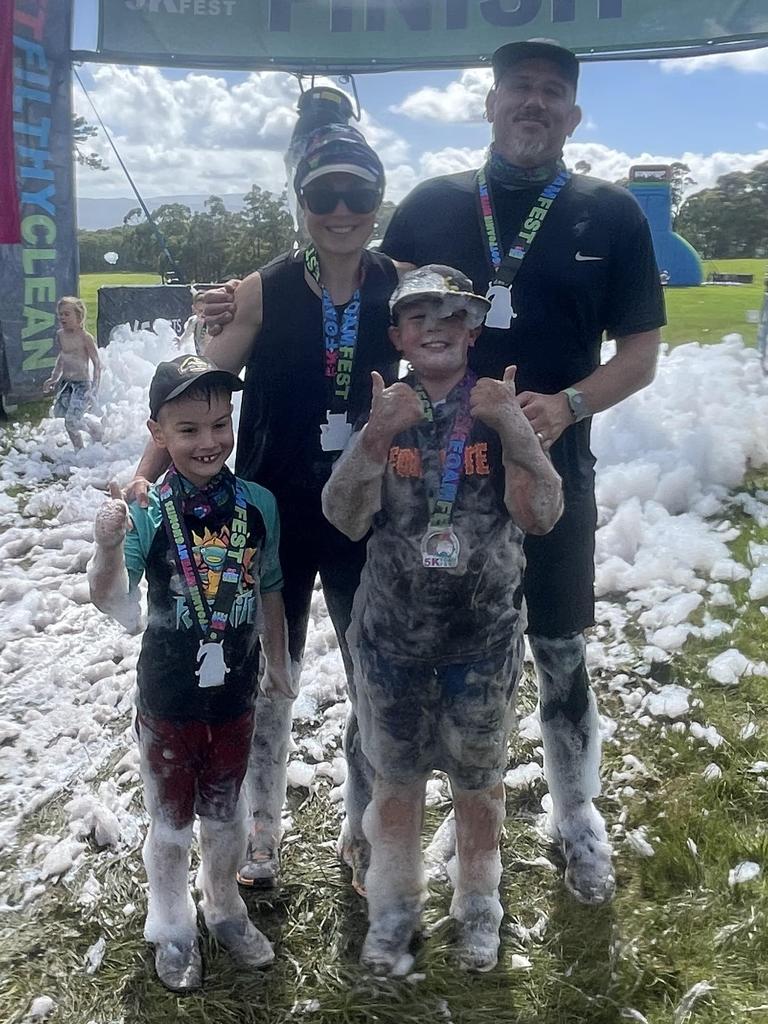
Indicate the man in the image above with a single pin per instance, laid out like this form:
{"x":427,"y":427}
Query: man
{"x":563,"y":259}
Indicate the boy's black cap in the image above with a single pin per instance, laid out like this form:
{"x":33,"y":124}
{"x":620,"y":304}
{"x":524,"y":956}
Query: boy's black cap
{"x":173,"y":378}
{"x":510,"y":54}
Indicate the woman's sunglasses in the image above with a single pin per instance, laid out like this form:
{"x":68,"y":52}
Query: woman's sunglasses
{"x":356,"y":200}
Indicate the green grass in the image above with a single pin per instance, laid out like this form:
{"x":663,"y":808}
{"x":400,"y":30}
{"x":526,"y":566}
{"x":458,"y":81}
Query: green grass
{"x":708,"y":313}
{"x":90,"y":283}
{"x":674,"y":923}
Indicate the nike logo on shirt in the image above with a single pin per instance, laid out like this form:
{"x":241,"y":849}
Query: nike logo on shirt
{"x":581,"y":258}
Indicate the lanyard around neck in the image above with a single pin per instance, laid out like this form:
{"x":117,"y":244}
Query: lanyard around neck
{"x":453,"y":467}
{"x":211,"y":622}
{"x":339,"y":336}
{"x":505,"y":268}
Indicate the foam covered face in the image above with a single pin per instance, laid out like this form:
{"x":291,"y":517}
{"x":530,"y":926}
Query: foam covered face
{"x":434,"y":336}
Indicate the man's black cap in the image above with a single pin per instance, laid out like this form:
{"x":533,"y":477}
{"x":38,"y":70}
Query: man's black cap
{"x":510,"y":54}
{"x":173,"y":378}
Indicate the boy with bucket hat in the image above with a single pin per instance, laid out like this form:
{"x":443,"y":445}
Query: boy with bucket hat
{"x":448,"y":474}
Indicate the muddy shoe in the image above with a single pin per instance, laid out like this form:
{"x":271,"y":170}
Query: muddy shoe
{"x":477,"y":944}
{"x":244,"y":941}
{"x":385,"y":950}
{"x":261,"y":870}
{"x":356,"y":854}
{"x":589,"y":874}
{"x":179,"y":966}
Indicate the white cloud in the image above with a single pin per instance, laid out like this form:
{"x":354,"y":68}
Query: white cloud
{"x":748,"y":61}
{"x":461,"y":101}
{"x":612,"y":164}
{"x":200,"y":133}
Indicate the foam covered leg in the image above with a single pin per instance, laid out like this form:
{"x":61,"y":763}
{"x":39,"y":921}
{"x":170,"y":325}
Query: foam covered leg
{"x":475,"y":904}
{"x":570,"y":730}
{"x":395,"y":880}
{"x":265,"y":787}
{"x":171,"y":915}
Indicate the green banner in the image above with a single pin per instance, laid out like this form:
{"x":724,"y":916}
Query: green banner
{"x":368,"y":35}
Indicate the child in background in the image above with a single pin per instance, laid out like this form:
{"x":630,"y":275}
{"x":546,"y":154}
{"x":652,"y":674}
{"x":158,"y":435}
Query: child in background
{"x":71,"y":372}
{"x":447,"y":473}
{"x":208,"y":544}
{"x":195,"y":329}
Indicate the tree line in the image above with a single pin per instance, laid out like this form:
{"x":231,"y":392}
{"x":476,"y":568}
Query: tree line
{"x":727,"y":221}
{"x":210,"y":245}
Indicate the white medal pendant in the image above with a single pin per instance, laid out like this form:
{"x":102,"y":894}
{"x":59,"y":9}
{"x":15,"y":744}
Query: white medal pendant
{"x":213,"y":668}
{"x":501,"y":314}
{"x":440,"y":548}
{"x":335,"y":433}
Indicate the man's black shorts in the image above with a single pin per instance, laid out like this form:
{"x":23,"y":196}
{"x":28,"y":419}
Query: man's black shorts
{"x":559,"y":580}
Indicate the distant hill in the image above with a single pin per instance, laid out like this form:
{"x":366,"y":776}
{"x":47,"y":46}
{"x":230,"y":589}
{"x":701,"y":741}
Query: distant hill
{"x":93,"y":214}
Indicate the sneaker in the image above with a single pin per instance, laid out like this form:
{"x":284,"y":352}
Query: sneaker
{"x":385,"y":950}
{"x":477,"y":945}
{"x":261,"y":869}
{"x":244,"y":941}
{"x":589,"y":874}
{"x":179,"y":966}
{"x":356,"y":854}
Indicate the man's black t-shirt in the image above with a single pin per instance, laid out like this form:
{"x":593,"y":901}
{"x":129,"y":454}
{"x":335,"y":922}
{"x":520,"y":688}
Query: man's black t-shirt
{"x":286,"y":394}
{"x":590,"y":269}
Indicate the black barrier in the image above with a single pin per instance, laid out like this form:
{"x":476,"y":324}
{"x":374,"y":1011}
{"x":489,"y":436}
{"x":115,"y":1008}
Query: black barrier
{"x":140,"y":305}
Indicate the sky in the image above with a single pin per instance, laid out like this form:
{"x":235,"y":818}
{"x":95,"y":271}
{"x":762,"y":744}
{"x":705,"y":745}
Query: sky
{"x":204,"y":132}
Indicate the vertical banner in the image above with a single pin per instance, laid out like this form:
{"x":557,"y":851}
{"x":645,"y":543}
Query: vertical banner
{"x":9,"y":197}
{"x":44,"y":264}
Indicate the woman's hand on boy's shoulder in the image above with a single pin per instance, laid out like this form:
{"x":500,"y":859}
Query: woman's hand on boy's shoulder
{"x":113,"y":520}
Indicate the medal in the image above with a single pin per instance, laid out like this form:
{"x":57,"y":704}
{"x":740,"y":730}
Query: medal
{"x":336,"y":432}
{"x":211,"y":621}
{"x":213,"y":667}
{"x":501,"y":314}
{"x":440,"y":548}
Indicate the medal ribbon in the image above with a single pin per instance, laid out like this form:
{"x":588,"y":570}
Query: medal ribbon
{"x":340,"y":337}
{"x":506,"y":268}
{"x":211,"y":622}
{"x":453,"y":467}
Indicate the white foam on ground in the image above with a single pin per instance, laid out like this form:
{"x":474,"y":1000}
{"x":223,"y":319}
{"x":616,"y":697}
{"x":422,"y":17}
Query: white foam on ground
{"x":669,"y":462}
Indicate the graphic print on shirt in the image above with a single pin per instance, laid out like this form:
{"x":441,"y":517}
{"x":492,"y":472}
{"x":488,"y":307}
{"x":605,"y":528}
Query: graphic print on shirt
{"x":209,"y":551}
{"x":407,"y":462}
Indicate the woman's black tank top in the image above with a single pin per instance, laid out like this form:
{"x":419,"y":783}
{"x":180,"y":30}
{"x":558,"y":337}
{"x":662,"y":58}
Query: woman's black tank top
{"x":286,"y":392}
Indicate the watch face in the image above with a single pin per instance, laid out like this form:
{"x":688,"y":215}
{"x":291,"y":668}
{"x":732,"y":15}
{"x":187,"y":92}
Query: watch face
{"x":578,"y":405}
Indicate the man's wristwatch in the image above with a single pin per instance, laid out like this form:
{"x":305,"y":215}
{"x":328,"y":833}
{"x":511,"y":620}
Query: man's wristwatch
{"x":577,"y":403}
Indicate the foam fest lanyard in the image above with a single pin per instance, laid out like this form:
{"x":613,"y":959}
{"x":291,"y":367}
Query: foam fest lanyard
{"x":502,"y":313}
{"x":440,"y":547}
{"x":211,"y":621}
{"x":340,"y":339}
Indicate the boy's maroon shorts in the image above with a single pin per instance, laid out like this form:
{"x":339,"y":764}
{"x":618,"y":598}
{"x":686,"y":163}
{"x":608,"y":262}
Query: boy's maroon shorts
{"x":193,"y":767}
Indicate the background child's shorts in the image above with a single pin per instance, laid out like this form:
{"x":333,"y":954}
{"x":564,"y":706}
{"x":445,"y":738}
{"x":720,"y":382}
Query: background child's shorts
{"x":73,"y":399}
{"x":415,"y":717}
{"x":193,"y":767}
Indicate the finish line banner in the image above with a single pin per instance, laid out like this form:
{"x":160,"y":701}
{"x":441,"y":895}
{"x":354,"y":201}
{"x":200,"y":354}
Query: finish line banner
{"x":371,"y":35}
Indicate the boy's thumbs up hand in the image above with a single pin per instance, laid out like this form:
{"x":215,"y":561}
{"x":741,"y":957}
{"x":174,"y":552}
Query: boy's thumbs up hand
{"x":393,"y":410}
{"x":112,"y":519}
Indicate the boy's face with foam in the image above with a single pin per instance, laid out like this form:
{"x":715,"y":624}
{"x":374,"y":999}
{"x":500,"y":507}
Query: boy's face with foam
{"x":196,"y":430}
{"x":435,"y":344}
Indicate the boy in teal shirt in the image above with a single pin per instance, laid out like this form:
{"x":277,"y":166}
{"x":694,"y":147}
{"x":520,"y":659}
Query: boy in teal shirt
{"x":208,"y":546}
